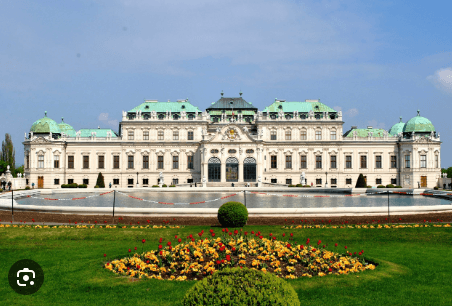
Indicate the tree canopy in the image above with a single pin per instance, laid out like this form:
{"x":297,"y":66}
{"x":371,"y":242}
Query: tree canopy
{"x":448,"y":171}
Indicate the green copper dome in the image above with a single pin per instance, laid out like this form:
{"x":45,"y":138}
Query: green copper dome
{"x":397,"y":128}
{"x":418,"y":124}
{"x":45,"y":125}
{"x":66,"y":128}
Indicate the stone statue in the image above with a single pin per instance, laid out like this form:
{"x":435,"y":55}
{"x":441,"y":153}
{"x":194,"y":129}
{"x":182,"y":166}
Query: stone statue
{"x":218,"y":130}
{"x":413,"y":135}
{"x":161,"y":178}
{"x":385,"y":133}
{"x":124,"y":113}
{"x":78,"y":134}
{"x":400,"y":134}
{"x":339,"y":113}
{"x":311,"y":113}
{"x":280,"y":114}
{"x":262,"y":132}
{"x":183,"y":113}
{"x":245,"y":129}
{"x":204,"y":179}
{"x":355,"y":134}
{"x":370,"y":134}
{"x":432,"y":134}
{"x":259,"y":179}
{"x":302,"y":178}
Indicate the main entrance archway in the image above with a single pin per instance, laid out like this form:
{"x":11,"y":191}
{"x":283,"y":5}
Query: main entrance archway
{"x":249,"y":169}
{"x":214,"y":169}
{"x":232,"y":170}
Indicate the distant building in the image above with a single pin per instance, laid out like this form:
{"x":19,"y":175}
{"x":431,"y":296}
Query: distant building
{"x":232,"y":142}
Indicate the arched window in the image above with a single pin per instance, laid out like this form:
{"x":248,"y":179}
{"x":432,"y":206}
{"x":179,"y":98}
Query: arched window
{"x":146,"y":117}
{"x":214,"y":151}
{"x":176,"y":117}
{"x":250,"y":151}
{"x":317,"y":116}
{"x":214,"y":160}
{"x":232,"y":151}
{"x":161,"y":116}
{"x":232,"y":160}
{"x":303,"y":116}
{"x":191,"y":117}
{"x":288,"y":135}
{"x":288,"y":117}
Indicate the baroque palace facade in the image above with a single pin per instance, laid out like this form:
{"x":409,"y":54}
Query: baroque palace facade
{"x":232,"y":142}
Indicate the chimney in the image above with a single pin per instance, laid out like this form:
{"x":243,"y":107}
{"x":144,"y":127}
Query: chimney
{"x":369,"y":127}
{"x":354,"y":127}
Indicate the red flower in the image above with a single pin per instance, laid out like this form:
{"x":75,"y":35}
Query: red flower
{"x":218,"y":262}
{"x":261,"y":237}
{"x":135,"y":248}
{"x":161,"y":253}
{"x":94,"y":221}
{"x":319,"y":242}
{"x":105,"y":221}
{"x":160,"y":240}
{"x":345,"y":247}
{"x":271,"y":234}
{"x":169,"y":243}
{"x":130,"y":250}
{"x":252,"y":232}
{"x":246,"y":233}
{"x":213,"y":234}
{"x":330,"y":270}
{"x":147,"y":261}
{"x":230,"y":233}
{"x":138,"y":266}
{"x":108,"y":263}
{"x":284,"y":234}
{"x":175,"y":237}
{"x":227,"y":230}
{"x":170,"y":248}
{"x":274,"y":238}
{"x":307,"y":241}
{"x":211,"y":230}
{"x":228,"y":257}
{"x":143,"y":241}
{"x":160,"y":247}
{"x":314,"y":250}
{"x":193,"y":239}
{"x":335,"y":244}
{"x":179,"y":240}
{"x":288,"y":246}
{"x":190,"y":236}
{"x":222,"y":261}
{"x":75,"y":222}
{"x":31,"y":220}
{"x":233,"y":249}
{"x":259,"y":233}
{"x":291,"y":234}
{"x":105,"y":255}
{"x":223,"y":230}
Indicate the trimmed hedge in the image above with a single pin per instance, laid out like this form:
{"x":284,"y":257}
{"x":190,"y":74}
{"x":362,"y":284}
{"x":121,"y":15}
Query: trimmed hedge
{"x":397,"y":186}
{"x":292,"y":186}
{"x":27,"y":188}
{"x":232,"y":214}
{"x":381,"y":186}
{"x":172,"y":185}
{"x":155,"y":186}
{"x":236,"y":286}
{"x":164,"y":185}
{"x":73,"y":185}
{"x":82,"y":186}
{"x":389,"y":186}
{"x":361,"y":182}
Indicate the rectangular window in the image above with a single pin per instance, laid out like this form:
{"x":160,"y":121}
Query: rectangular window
{"x":348,"y":161}
{"x":348,"y":181}
{"x":160,"y":162}
{"x":289,"y":181}
{"x":436,"y":161}
{"x":318,"y":135}
{"x":394,"y":181}
{"x":41,"y":161}
{"x":190,"y":135}
{"x":70,"y":162}
{"x":70,"y":181}
{"x":160,"y":135}
{"x":56,"y":161}
{"x":288,"y":135}
{"x":273,"y":135}
{"x":423,"y":161}
{"x":318,"y":162}
{"x":190,"y":162}
{"x":115,"y":181}
{"x":407,"y":161}
{"x":175,"y":135}
{"x":393,"y":161}
{"x":85,"y":162}
{"x":288,"y":162}
{"x":85,"y":181}
{"x":303,"y":135}
{"x":130,"y":162}
{"x":175,"y":181}
{"x":56,"y":181}
{"x":318,"y":181}
{"x":145,"y":181}
{"x":333,"y":135}
{"x":333,"y":181}
{"x":303,"y":162}
{"x":101,"y":162}
{"x":145,"y":162}
{"x":378,"y":181}
{"x":333,"y":162}
{"x":363,"y":161}
{"x":130,"y":135}
{"x":175,"y":162}
{"x":27,"y":164}
{"x":130,"y":181}
{"x":378,"y":161}
{"x":273,"y":162}
{"x":116,"y":162}
{"x":274,"y":181}
{"x":146,"y":135}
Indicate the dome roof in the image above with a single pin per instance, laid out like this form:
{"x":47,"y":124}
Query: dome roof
{"x":44,"y":126}
{"x":66,"y":128}
{"x":418,"y":124}
{"x":397,"y":128}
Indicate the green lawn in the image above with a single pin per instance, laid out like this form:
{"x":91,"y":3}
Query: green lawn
{"x":415,"y":266}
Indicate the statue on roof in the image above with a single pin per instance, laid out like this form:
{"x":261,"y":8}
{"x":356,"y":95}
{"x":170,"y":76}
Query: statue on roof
{"x":280,"y":113}
{"x":355,"y":134}
{"x":311,"y":113}
{"x":385,"y":133}
{"x":245,"y":129}
{"x":432,"y":134}
{"x":78,"y":134}
{"x":339,"y":113}
{"x":370,"y":134}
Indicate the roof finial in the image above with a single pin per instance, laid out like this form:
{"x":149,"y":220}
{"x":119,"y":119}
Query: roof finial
{"x":62,"y":119}
{"x":222,"y":93}
{"x":276,"y":99}
{"x":418,"y":111}
{"x":240,"y":93}
{"x":45,"y":113}
{"x":400,"y":118}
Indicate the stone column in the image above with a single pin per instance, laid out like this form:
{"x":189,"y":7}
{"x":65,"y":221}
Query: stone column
{"x":223,"y":169}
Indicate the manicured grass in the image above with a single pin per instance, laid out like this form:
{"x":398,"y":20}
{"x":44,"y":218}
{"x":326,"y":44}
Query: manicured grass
{"x":415,"y":266}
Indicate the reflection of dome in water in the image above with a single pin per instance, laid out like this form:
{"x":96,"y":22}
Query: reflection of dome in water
{"x":418,"y":124}
{"x":66,"y":128}
{"x":397,"y":128}
{"x":45,"y":125}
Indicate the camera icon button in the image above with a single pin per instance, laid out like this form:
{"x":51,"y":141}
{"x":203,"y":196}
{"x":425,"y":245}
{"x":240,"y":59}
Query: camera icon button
{"x":26,"y":276}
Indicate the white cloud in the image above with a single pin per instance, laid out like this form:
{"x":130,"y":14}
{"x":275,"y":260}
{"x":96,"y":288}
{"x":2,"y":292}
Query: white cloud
{"x":442,"y":79}
{"x":105,"y":118}
{"x":352,"y":112}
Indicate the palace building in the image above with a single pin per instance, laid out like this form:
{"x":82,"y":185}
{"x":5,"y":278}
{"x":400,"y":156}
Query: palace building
{"x":233,"y":142}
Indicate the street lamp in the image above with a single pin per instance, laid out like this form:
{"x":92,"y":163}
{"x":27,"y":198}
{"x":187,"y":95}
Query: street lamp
{"x":326,"y":182}
{"x":137,"y":179}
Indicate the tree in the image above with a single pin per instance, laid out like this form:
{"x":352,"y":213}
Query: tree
{"x":361,"y":182}
{"x":18,"y":170}
{"x":100,"y":181}
{"x":448,"y":171}
{"x":8,"y":152}
{"x":3,"y":166}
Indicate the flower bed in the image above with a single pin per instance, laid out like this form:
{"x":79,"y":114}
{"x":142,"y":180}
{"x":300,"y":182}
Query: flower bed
{"x":195,"y":259}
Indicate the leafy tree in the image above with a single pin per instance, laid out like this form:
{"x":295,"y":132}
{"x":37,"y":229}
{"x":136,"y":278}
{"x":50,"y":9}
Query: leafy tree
{"x":100,"y":181}
{"x":18,"y":170}
{"x":361,"y":182}
{"x":8,"y":153}
{"x":448,"y":171}
{"x":3,"y":166}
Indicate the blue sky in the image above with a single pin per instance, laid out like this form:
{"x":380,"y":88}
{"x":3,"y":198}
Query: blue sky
{"x":87,"y":61}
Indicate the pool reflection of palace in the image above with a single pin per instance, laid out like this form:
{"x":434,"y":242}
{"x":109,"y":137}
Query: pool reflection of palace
{"x":232,"y":142}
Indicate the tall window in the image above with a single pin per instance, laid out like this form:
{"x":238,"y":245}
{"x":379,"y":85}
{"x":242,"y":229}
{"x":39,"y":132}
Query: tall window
{"x":160,"y":135}
{"x":288,"y":135}
{"x":333,"y":162}
{"x":348,"y":181}
{"x":318,"y":135}
{"x":273,"y":135}
{"x":85,"y":162}
{"x":130,"y":162}
{"x":288,"y":161}
{"x":116,"y":162}
{"x":303,"y":162}
{"x":175,"y":162}
{"x":146,"y":135}
{"x":436,"y":161}
{"x":348,"y":161}
{"x":333,"y":135}
{"x":363,"y":161}
{"x":130,"y":135}
{"x":318,"y":181}
{"x":27,"y":165}
{"x":115,"y":181}
{"x":160,"y":162}
{"x":40,"y":161}
{"x":318,"y":162}
{"x":70,"y":161}
{"x":303,"y":135}
{"x":101,"y":162}
{"x":393,"y":161}
{"x":333,"y":181}
{"x":145,"y":162}
{"x":273,"y":162}
{"x":407,"y":161}
{"x":190,"y":135}
{"x":175,"y":135}
{"x":378,"y":161}
{"x":423,"y":161}
{"x":56,"y":161}
{"x":378,"y":181}
{"x":190,"y":162}
{"x":289,"y":181}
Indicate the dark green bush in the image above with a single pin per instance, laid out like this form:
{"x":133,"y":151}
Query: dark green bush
{"x":82,"y":186}
{"x":361,"y":182}
{"x":291,"y":185}
{"x":172,"y":185}
{"x":299,"y":185}
{"x":27,"y":188}
{"x":1,"y":190}
{"x":236,"y":286}
{"x":73,"y":185}
{"x":155,"y":186}
{"x":397,"y":186}
{"x":308,"y":186}
{"x":96,"y":186}
{"x":389,"y":186}
{"x":233,"y":214}
{"x":435,"y":188}
{"x":381,"y":186}
{"x":368,"y":186}
{"x":164,"y":185}
{"x":100,"y":181}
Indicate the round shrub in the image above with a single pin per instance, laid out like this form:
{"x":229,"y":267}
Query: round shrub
{"x":233,"y":214}
{"x":381,"y":186}
{"x":27,"y":188}
{"x":241,"y":287}
{"x":164,"y":185}
{"x":291,"y":185}
{"x":299,"y":185}
{"x":308,"y":186}
{"x":389,"y":186}
{"x":155,"y":186}
{"x":1,"y":190}
{"x":368,"y":186}
{"x":397,"y":186}
{"x":172,"y":185}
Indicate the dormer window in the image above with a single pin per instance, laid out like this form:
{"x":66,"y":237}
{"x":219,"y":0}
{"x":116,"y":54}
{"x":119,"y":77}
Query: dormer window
{"x":183,"y":106}
{"x":146,"y":107}
{"x":191,"y":117}
{"x":280,"y":107}
{"x":317,"y":116}
{"x":288,"y":117}
{"x":146,"y":117}
{"x":161,"y":116}
{"x":273,"y":116}
{"x":303,"y":116}
{"x":176,"y":117}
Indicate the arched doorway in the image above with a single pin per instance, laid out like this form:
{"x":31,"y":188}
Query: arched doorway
{"x":249,"y":169}
{"x":232,"y":170}
{"x":214,"y":169}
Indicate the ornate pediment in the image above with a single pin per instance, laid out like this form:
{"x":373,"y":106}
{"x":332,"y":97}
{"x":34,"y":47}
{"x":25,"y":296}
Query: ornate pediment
{"x":40,"y":140}
{"x":424,"y":139}
{"x":231,"y":133}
